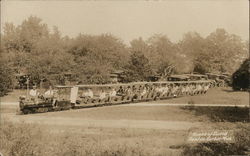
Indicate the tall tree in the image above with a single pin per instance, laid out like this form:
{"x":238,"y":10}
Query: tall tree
{"x":97,"y":56}
{"x":191,"y":46}
{"x":138,"y":68}
{"x":139,"y":45}
{"x":222,"y":52}
{"x":6,"y":77}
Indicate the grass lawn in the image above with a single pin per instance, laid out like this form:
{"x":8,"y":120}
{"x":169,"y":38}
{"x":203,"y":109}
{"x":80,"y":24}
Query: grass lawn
{"x":214,"y":96}
{"x":163,"y":113}
{"x":13,"y":96}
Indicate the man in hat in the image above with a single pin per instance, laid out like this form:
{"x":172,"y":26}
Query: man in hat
{"x":33,"y":92}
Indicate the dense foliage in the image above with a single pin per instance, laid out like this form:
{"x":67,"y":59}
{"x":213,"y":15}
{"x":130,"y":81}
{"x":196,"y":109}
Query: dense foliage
{"x":33,"y":49}
{"x":241,"y":78}
{"x":6,"y":78}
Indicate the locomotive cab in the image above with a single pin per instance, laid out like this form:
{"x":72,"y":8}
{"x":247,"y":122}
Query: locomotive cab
{"x":59,"y":100}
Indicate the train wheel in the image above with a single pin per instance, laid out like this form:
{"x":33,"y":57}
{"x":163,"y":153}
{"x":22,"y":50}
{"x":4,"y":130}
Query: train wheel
{"x":26,"y":111}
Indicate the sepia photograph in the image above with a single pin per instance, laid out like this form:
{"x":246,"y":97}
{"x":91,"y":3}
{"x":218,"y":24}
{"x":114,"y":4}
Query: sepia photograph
{"x":124,"y":78}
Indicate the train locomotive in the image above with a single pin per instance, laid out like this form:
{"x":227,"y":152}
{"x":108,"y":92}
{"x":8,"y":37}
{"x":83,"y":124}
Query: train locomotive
{"x":83,"y":96}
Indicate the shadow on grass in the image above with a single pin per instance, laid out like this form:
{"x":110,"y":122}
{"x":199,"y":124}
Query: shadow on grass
{"x":229,"y":90}
{"x":221,"y":114}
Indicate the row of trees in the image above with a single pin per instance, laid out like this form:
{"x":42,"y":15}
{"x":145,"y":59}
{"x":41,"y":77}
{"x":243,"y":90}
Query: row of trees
{"x":34,"y":49}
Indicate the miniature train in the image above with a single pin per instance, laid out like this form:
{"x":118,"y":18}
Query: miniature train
{"x":82,"y":96}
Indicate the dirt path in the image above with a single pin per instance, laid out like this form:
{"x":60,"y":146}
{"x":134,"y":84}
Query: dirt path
{"x":182,"y":104}
{"x":154,"y":103}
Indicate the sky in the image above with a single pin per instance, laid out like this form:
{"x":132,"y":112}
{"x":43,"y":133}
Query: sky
{"x":128,"y":20}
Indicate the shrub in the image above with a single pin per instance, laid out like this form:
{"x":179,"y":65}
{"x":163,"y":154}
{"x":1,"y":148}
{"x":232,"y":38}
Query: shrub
{"x":241,"y":78}
{"x":6,"y":78}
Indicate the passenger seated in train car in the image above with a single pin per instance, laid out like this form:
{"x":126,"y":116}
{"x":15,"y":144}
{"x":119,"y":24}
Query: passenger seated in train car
{"x":160,"y":90}
{"x":187,"y":89}
{"x":88,"y":94}
{"x":178,"y":92}
{"x":112,"y":93}
{"x":144,"y":91}
{"x":192,"y":89}
{"x":206,"y":87}
{"x":49,"y":93}
{"x":128,"y":91}
{"x":203,"y":88}
{"x":199,"y":88}
{"x":195,"y":89}
{"x":157,"y":89}
{"x":134,"y":89}
{"x":121,"y":91}
{"x":34,"y":92}
{"x":136,"y":92}
{"x":139,"y":90}
{"x":174,"y":90}
{"x":165,"y":90}
{"x":170,"y":87}
{"x":183,"y":89}
{"x":102,"y":94}
{"x":35,"y":95}
{"x":150,"y":90}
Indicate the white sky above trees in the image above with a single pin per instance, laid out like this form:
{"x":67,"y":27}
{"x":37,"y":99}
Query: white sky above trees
{"x":132,"y":19}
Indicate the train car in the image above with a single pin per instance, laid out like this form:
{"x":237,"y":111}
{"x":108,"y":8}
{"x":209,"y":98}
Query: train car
{"x":178,"y":78}
{"x":219,"y":79}
{"x":194,"y":77}
{"x":82,"y":96}
{"x":109,"y":94}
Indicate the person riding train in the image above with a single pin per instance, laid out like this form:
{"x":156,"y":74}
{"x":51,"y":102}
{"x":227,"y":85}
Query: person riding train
{"x":112,"y":93}
{"x":102,"y":95}
{"x":49,"y":93}
{"x":86,"y":95}
{"x":33,"y":92}
{"x":89,"y":93}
